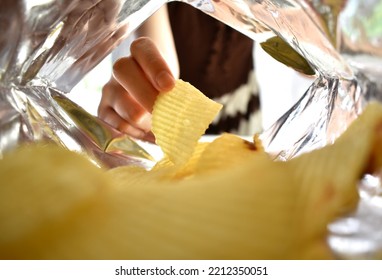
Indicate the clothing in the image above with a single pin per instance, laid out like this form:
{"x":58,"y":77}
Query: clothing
{"x":217,"y":60}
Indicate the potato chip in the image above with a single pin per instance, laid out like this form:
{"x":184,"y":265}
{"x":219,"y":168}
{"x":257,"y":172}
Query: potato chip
{"x":226,"y":151}
{"x":213,"y":217}
{"x":189,"y":168}
{"x":180,"y":117}
{"x":328,"y":177}
{"x":42,"y":184}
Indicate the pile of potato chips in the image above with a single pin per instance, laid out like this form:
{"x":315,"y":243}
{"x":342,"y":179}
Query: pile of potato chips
{"x":221,"y":200}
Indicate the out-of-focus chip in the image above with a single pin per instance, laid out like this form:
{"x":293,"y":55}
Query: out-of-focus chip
{"x":42,"y":185}
{"x":226,"y":151}
{"x":328,"y":177}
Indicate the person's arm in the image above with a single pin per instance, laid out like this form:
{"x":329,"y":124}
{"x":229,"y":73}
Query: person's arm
{"x":128,"y":98}
{"x":158,"y":29}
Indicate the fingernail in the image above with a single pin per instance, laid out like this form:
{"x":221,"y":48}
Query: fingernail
{"x":149,"y":137}
{"x":144,"y":122}
{"x":165,"y":80}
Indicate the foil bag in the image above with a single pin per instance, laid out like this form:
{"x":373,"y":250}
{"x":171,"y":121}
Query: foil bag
{"x":47,"y":46}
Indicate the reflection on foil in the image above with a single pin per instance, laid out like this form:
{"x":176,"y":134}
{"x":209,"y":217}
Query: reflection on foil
{"x":359,"y":236}
{"x":46,"y":47}
{"x":99,"y":132}
{"x":319,"y":117}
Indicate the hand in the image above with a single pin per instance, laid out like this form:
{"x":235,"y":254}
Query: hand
{"x":128,"y":98}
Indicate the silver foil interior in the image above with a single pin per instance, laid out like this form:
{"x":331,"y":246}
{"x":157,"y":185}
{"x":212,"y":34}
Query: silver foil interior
{"x":47,"y":46}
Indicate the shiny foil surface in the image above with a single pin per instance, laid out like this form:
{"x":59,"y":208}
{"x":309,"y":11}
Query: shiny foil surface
{"x":47,"y":46}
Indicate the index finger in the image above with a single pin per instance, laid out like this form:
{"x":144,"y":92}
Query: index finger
{"x":147,"y":55}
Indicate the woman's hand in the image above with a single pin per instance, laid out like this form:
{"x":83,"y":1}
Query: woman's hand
{"x":128,"y":98}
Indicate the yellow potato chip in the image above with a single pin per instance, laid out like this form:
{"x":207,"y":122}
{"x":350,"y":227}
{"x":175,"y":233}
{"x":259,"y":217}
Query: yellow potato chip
{"x":328,"y":177}
{"x":41,"y":185}
{"x":189,"y":168}
{"x":226,"y":151}
{"x":213,"y":217}
{"x":180,"y":117}
{"x":230,"y":216}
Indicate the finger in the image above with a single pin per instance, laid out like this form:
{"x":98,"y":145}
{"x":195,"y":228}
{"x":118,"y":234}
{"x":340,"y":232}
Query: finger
{"x":131,"y":77}
{"x":149,"y":137}
{"x":149,"y":58}
{"x":113,"y":119}
{"x":115,"y":96}
{"x":132,"y":112}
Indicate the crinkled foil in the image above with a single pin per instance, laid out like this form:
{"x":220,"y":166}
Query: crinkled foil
{"x":47,"y":46}
{"x":347,"y":58}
